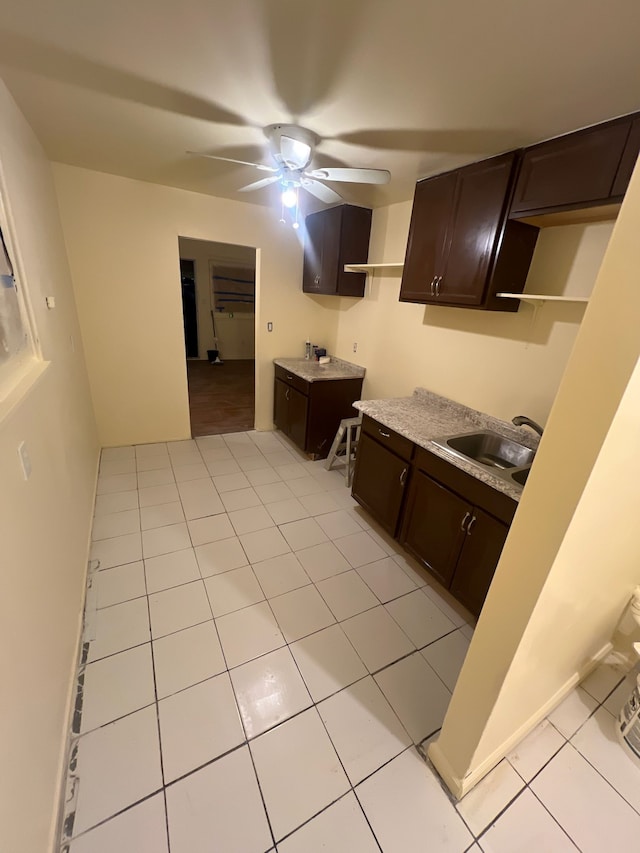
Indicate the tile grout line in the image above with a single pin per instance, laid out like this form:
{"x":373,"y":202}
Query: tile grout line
{"x":157,"y":708}
{"x":315,"y":705}
{"x":567,"y":742}
{"x":551,"y":815}
{"x":288,"y":646}
{"x":121,"y":811}
{"x":267,"y":601}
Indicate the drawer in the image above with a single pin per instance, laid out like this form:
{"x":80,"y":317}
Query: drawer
{"x":400,"y":445}
{"x":292,"y":379}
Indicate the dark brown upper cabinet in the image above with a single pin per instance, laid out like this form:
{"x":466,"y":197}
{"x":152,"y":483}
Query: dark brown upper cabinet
{"x":587,"y":168}
{"x":461,"y":249}
{"x":629,"y":158}
{"x":335,"y":237}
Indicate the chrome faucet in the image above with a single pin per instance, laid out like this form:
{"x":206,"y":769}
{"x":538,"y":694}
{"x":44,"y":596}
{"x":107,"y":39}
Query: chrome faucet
{"x":523,"y":420}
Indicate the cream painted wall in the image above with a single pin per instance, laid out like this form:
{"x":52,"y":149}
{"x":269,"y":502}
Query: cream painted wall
{"x":121,"y":238}
{"x":237,"y":334}
{"x":502,"y":364}
{"x":45,"y":521}
{"x":572,"y":558}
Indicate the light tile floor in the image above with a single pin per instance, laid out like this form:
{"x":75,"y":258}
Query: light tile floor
{"x":260,"y":662}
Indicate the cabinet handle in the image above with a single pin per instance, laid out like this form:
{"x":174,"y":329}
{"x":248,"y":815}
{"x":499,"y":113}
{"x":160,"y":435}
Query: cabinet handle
{"x":464,"y":521}
{"x":471,"y":523}
{"x":286,"y":394}
{"x":289,"y":377}
{"x":403,"y":477}
{"x":316,"y":280}
{"x":384,"y":434}
{"x":433,"y":281}
{"x":438,"y":280}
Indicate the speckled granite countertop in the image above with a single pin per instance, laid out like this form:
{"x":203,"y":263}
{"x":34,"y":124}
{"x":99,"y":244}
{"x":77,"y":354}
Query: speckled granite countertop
{"x":426,"y":416}
{"x":312,"y":371}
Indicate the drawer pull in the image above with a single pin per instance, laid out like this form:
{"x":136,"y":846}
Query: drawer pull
{"x":403,"y":477}
{"x":289,"y":377}
{"x":464,"y":521}
{"x":287,"y":394}
{"x":384,"y":434}
{"x":471,"y":523}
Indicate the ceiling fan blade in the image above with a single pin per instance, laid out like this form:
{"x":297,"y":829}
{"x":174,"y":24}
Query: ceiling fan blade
{"x":258,"y":185}
{"x":325,"y":194}
{"x":260,"y":166}
{"x":353,"y":176}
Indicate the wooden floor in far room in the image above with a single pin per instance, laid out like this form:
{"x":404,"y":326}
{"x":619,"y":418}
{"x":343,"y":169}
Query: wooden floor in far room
{"x":221,"y":396}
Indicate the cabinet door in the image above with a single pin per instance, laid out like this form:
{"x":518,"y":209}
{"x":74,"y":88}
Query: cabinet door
{"x":297,"y":415}
{"x":335,"y":237}
{"x":573,"y":170}
{"x":432,"y":530}
{"x":424,"y":260}
{"x":290,"y":412}
{"x":281,"y":406}
{"x":313,"y":249}
{"x":379,"y":482}
{"x":331,"y":236}
{"x":478,"y":214}
{"x":354,"y":248}
{"x":478,"y":559}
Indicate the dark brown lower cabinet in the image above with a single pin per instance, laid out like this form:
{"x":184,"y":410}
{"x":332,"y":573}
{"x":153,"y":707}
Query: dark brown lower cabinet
{"x":290,"y":412}
{"x":379,"y":481}
{"x":309,"y":413}
{"x":478,"y":559}
{"x":432,"y":529}
{"x":451,"y":522}
{"x":454,"y":539}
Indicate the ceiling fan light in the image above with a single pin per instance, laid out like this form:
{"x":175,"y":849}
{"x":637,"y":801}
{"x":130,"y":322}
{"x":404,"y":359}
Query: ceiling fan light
{"x":289,"y":197}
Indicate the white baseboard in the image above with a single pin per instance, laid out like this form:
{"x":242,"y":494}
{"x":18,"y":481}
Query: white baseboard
{"x":459,"y":786}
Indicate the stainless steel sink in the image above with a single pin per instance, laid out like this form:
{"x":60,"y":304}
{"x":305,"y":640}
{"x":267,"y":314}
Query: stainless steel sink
{"x":520,"y":476}
{"x":490,"y":451}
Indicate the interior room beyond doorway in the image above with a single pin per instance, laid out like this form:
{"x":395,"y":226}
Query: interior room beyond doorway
{"x":218,"y":301}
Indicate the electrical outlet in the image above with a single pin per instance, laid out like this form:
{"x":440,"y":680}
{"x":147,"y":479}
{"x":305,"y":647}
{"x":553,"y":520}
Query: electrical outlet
{"x":355,"y":347}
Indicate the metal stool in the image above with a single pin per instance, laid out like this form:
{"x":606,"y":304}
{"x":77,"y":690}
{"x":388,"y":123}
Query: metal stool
{"x":343,"y":449}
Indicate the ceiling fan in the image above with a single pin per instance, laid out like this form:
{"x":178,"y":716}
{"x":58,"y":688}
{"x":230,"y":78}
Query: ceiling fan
{"x":292,"y":148}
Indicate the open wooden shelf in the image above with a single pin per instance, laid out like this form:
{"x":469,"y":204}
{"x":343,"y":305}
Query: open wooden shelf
{"x":537,"y":298}
{"x":373,"y":267}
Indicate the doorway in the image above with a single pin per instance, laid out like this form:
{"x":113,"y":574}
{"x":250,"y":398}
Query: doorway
{"x":219,"y":329}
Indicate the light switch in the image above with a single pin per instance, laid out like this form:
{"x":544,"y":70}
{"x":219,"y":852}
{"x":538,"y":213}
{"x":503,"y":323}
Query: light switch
{"x":269,"y":327}
{"x":51,"y":302}
{"x":25,"y":462}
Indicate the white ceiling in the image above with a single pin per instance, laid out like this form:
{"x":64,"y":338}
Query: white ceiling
{"x":127,"y":86}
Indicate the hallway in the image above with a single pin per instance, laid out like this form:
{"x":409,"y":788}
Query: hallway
{"x":263,"y":669}
{"x":221,"y":396}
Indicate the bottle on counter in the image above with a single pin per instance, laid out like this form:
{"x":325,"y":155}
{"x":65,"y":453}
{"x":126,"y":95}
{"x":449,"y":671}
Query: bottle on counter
{"x":307,"y":349}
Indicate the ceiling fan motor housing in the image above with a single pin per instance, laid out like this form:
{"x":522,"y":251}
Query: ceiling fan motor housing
{"x":290,"y":145}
